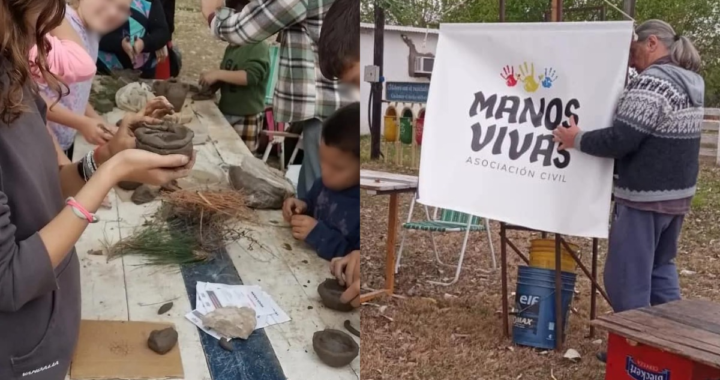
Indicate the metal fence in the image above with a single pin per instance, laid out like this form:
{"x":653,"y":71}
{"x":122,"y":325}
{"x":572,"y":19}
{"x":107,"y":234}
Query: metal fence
{"x":710,"y":138}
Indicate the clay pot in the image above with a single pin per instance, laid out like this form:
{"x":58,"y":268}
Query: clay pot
{"x":174,"y":90}
{"x":335,"y":348}
{"x":169,"y":139}
{"x":330,"y":292}
{"x":129,"y":186}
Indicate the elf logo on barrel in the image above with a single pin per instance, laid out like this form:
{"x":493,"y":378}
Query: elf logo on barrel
{"x":642,"y":371}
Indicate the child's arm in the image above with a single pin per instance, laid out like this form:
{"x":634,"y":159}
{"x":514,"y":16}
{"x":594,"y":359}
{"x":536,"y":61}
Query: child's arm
{"x":62,"y":158}
{"x":251,"y":74}
{"x":86,"y":126}
{"x":327,"y":241}
{"x":67,"y":58}
{"x":259,"y":20}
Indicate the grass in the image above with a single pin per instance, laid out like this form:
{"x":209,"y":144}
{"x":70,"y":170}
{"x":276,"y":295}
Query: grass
{"x":451,"y":333}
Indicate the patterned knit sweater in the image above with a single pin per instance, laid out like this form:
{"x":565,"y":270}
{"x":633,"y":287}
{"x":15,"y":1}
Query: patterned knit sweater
{"x":655,"y":136}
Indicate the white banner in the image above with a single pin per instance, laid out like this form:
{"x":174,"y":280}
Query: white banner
{"x":497,"y":92}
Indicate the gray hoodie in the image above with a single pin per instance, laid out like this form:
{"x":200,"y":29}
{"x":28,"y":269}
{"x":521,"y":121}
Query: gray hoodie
{"x":39,"y":305}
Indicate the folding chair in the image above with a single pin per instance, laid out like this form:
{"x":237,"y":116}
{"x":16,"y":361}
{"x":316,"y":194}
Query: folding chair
{"x":449,"y":221}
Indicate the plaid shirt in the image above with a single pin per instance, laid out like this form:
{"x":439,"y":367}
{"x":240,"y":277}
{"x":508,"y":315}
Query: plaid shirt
{"x":301,"y":93}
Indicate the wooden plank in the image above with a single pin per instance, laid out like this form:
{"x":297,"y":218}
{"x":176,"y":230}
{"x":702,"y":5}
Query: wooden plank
{"x":268,"y":266}
{"x":149,"y":287}
{"x":103,"y":283}
{"x":231,"y":149}
{"x":710,"y":126}
{"x":655,"y":339}
{"x":377,"y":185}
{"x":712,"y":112}
{"x":388,"y":176}
{"x":676,"y":333}
{"x":707,"y":152}
{"x":709,"y":139}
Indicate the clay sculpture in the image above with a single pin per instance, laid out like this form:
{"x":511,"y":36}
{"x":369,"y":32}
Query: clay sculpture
{"x":167,"y":139}
{"x":206,"y":92}
{"x":162,"y":341}
{"x":330,"y":292}
{"x":174,"y":90}
{"x":335,"y":348}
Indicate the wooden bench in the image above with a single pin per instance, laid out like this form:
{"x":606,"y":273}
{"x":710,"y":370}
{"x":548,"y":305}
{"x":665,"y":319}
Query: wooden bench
{"x":675,"y":341}
{"x":710,"y":138}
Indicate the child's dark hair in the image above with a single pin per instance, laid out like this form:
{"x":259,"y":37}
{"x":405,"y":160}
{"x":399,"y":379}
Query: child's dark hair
{"x":339,"y":45}
{"x":342,"y":129}
{"x":237,"y":5}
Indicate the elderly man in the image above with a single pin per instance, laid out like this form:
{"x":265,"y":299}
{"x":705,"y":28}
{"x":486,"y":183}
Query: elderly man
{"x":302,"y":95}
{"x":655,"y":140}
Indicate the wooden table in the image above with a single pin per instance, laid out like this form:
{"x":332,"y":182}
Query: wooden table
{"x":287,"y":269}
{"x":381,"y":183}
{"x":678,"y":341}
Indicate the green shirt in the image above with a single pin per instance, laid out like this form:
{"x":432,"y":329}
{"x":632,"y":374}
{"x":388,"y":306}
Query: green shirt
{"x":250,"y":99}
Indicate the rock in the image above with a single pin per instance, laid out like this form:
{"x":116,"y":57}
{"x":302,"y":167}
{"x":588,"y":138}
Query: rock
{"x":687,"y":273}
{"x":165,"y":308}
{"x":162,"y":341}
{"x":330,"y":292}
{"x":572,"y":355}
{"x":264,"y":187}
{"x":335,"y":348}
{"x":145,"y":194}
{"x":232,"y":322}
{"x":225,"y":344}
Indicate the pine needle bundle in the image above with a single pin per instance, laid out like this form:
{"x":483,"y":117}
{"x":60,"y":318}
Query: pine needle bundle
{"x":160,"y":243}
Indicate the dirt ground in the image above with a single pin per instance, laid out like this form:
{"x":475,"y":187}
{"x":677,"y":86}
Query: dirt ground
{"x":453,"y":333}
{"x":200,"y":50}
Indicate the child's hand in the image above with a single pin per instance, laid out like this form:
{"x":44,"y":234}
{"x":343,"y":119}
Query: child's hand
{"x":293,"y":206}
{"x":94,"y":131}
{"x":302,"y":225}
{"x":209,"y":78}
{"x":128,"y":49}
{"x":346,"y":269}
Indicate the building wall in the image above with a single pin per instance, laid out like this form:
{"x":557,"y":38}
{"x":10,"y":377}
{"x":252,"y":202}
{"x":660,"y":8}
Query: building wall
{"x":395,"y":64}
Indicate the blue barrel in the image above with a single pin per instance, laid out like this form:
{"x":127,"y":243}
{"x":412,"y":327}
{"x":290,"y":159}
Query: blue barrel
{"x":534,"y":323}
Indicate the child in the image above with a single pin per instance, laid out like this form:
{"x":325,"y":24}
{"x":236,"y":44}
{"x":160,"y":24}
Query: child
{"x":242,"y":79}
{"x":328,"y":217}
{"x":339,"y":45}
{"x":90,"y":19}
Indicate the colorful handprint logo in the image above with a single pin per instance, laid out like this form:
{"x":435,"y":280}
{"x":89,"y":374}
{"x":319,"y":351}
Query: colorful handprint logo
{"x":549,"y":78}
{"x":526,"y":74}
{"x":509,"y":75}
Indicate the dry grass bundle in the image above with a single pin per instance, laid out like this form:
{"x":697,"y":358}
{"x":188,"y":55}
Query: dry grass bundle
{"x":227,"y":202}
{"x":188,"y":227}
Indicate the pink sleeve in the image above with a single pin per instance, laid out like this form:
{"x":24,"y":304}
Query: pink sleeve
{"x":67,"y":60}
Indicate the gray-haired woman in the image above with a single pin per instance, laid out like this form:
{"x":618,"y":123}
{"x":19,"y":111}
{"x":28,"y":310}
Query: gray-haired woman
{"x":655,"y":139}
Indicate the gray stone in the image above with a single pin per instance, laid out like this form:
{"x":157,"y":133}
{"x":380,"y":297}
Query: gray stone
{"x":264,"y":187}
{"x":232,"y":322}
{"x":145,"y":194}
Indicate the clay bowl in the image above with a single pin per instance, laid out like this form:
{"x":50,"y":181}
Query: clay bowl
{"x":330,"y":292}
{"x":168,"y":139}
{"x":335,"y":348}
{"x":127,"y":76}
{"x":129,"y":186}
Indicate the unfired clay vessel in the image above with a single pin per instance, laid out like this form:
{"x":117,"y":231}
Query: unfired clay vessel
{"x":167,"y":139}
{"x":330,"y":292}
{"x":174,"y":90}
{"x":335,"y":348}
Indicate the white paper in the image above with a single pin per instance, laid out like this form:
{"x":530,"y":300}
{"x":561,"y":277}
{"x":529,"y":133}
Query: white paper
{"x":560,"y":65}
{"x":211,"y":296}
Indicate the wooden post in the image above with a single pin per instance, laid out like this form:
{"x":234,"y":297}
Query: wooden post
{"x":629,"y":7}
{"x":556,"y":11}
